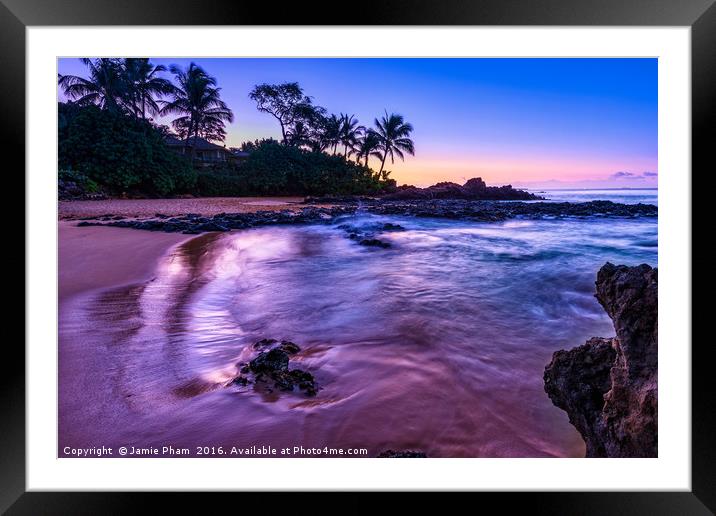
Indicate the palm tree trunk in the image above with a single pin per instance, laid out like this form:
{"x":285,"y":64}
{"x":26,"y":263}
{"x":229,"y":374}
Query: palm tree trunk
{"x":382,"y":163}
{"x":193,"y":130}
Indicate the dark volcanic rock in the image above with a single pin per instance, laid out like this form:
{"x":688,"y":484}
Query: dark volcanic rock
{"x":211,"y":226}
{"x":374,"y":242}
{"x":463,"y":209}
{"x":389,"y":226}
{"x":476,"y":185}
{"x":608,"y":387}
{"x":584,"y":390}
{"x":270,"y":369}
{"x":270,"y":361}
{"x":473,"y":189}
{"x":366,"y":235}
{"x":495,"y":211}
{"x":407,"y":454}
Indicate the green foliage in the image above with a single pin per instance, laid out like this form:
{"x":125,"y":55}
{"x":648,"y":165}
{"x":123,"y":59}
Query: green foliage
{"x":120,"y":152}
{"x":78,"y":178}
{"x":275,"y":169}
{"x":221,"y":184}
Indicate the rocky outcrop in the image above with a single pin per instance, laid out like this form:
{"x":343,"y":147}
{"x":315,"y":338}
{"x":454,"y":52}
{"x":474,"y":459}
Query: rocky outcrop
{"x":473,"y":189}
{"x":496,"y":211}
{"x":269,"y":369}
{"x":608,"y":386}
{"x":458,"y":209}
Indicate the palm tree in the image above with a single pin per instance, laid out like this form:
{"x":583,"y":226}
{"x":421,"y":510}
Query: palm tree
{"x":105,"y":86}
{"x":331,"y":132}
{"x":317,"y":136}
{"x":197,"y":99}
{"x":349,"y":133}
{"x":144,"y":85}
{"x":393,"y":132}
{"x":368,"y":146}
{"x":298,"y":135}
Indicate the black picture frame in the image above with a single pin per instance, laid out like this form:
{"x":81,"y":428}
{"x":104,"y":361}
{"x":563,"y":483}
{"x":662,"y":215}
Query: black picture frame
{"x":700,"y":15}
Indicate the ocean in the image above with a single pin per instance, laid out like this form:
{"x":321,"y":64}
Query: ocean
{"x":437,"y":344}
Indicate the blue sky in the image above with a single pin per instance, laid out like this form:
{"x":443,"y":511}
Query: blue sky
{"x":531,"y":122}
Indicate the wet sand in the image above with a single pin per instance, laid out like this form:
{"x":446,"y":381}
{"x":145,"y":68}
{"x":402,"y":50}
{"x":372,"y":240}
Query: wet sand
{"x":207,"y":206}
{"x":95,"y":258}
{"x":148,"y":349}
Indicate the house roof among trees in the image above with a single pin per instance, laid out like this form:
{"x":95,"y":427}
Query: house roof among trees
{"x":199,"y":144}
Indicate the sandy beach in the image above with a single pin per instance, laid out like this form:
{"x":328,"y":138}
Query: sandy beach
{"x":94,"y":258}
{"x":97,"y":258}
{"x":206,"y":206}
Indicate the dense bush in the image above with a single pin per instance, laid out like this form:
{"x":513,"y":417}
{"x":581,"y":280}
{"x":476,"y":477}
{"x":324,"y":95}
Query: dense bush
{"x":117,"y":153}
{"x":276,"y":169}
{"x":217,"y":183}
{"x":120,"y":153}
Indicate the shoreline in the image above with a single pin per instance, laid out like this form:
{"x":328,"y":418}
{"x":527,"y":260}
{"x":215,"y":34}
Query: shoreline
{"x":254,"y":214}
{"x":93,"y":259}
{"x":206,"y":206}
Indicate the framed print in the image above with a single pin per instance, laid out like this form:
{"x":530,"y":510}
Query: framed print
{"x":432,"y":249}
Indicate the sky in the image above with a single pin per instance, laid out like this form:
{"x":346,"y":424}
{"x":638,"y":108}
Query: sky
{"x":529,"y":122}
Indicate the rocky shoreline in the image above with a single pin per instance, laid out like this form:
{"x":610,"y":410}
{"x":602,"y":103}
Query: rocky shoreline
{"x":456,"y":209}
{"x":474,"y":189}
{"x":608,"y":386}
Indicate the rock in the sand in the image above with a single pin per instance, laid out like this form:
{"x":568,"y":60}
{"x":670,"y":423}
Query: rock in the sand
{"x":608,"y":386}
{"x":270,"y":361}
{"x":406,"y":454}
{"x":270,"y":368}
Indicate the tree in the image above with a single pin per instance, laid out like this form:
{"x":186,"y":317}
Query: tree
{"x":306,"y":127}
{"x":143,"y":85}
{"x":349,"y":134}
{"x":298,"y":135}
{"x":331,"y":132}
{"x":317,"y":140}
{"x":393,"y":133}
{"x":197,"y":99}
{"x":120,"y":152}
{"x":286,"y":102}
{"x":368,"y":146}
{"x":105,"y":87}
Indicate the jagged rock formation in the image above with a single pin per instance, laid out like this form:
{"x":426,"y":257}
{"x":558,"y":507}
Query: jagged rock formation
{"x":473,"y":189}
{"x":608,"y":386}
